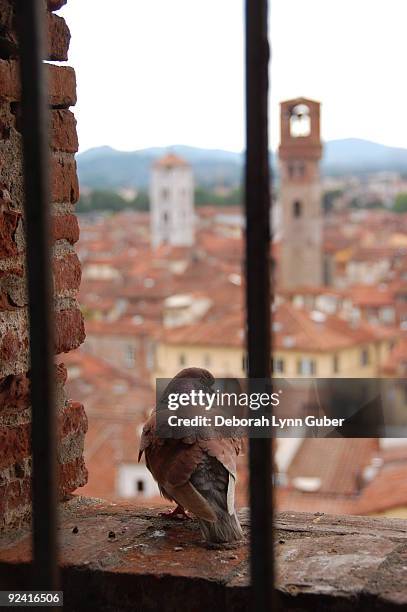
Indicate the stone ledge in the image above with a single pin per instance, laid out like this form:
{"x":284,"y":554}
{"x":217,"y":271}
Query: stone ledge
{"x":150,"y":563}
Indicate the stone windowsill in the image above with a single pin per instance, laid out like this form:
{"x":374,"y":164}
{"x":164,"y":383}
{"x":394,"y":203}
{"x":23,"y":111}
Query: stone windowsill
{"x":150,"y":563}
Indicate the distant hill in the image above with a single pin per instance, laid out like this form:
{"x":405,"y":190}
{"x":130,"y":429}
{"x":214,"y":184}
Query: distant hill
{"x":354,"y":155}
{"x":106,"y":168}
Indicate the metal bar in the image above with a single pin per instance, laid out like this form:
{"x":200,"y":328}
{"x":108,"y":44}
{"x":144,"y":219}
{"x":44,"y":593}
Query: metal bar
{"x":34,"y":103}
{"x":258,"y":297}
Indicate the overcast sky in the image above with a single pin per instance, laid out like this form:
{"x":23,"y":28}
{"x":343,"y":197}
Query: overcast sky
{"x":161,"y":72}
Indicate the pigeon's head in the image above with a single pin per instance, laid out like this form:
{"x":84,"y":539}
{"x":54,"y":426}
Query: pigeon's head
{"x":187,"y":380}
{"x":200,"y":373}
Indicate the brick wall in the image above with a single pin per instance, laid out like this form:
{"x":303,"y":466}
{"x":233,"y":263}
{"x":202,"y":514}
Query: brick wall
{"x":15,"y":417}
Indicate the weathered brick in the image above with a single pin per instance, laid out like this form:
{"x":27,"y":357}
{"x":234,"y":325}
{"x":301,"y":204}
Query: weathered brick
{"x":10,"y":87}
{"x":10,"y":345}
{"x":7,"y":121}
{"x":61,"y":83}
{"x":14,"y":392}
{"x":64,"y":180}
{"x":15,"y":431}
{"x":8,"y":225}
{"x":8,"y":37}
{"x":70,"y":330}
{"x":13,"y":342}
{"x":63,"y":131}
{"x":73,"y":419}
{"x":15,"y":389}
{"x":13,"y":292}
{"x":65,"y":227}
{"x":58,"y":35}
{"x":5,"y":303}
{"x":61,"y":373}
{"x":15,"y":494}
{"x":71,"y":476}
{"x":67,"y":273}
{"x":6,"y":15}
{"x":15,"y":444}
{"x":58,"y":38}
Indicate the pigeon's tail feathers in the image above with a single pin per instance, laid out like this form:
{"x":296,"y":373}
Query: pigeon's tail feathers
{"x":225,"y":529}
{"x":188,"y":497}
{"x":230,"y":496}
{"x":217,"y":486}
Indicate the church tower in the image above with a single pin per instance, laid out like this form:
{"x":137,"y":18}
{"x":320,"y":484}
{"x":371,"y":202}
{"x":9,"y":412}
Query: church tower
{"x":172,"y":202}
{"x":300,"y":194}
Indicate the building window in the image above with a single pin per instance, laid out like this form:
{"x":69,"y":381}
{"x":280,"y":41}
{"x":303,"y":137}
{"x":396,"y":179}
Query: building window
{"x":335,"y":364}
{"x":306,"y":367}
{"x":130,"y":356}
{"x":150,"y":356}
{"x":364,"y":357}
{"x":387,"y":315}
{"x":181,"y":359}
{"x":165,"y":193}
{"x":140,"y":486}
{"x":278,"y":366}
{"x":297,"y":206}
{"x":245,"y":363}
{"x":296,"y":169}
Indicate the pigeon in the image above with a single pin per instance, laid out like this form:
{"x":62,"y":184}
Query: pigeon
{"x":198,"y":473}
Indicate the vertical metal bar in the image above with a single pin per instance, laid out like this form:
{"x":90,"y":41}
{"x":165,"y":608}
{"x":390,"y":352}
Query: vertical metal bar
{"x":258,"y":298}
{"x":34,"y":103}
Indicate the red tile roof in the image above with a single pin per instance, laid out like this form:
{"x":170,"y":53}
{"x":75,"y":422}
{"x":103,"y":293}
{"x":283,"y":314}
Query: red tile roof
{"x":338,"y":462}
{"x":309,"y":332}
{"x":170,"y":160}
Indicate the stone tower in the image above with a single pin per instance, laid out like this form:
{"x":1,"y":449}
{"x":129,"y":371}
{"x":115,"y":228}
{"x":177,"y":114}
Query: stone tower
{"x":300,"y":193}
{"x":172,"y":202}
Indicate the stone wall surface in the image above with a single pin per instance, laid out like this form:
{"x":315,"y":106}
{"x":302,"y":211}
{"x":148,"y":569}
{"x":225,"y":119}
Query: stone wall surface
{"x":120,"y":558}
{"x":15,"y":415}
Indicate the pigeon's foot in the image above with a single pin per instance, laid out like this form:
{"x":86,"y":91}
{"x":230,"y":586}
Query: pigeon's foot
{"x":177,"y":514}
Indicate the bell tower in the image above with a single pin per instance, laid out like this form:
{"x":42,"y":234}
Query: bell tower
{"x":172,"y":202}
{"x":300,"y":193}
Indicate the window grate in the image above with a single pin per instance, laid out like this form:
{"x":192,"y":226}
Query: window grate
{"x":258,"y":292}
{"x":34,"y":103}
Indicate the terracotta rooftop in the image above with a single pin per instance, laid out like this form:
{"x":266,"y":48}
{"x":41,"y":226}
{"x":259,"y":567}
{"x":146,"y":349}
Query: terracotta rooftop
{"x":307,"y":331}
{"x":336,"y":461}
{"x":339,"y":464}
{"x":224,"y":331}
{"x":316,"y":332}
{"x":170,"y":160}
{"x":371,"y":295}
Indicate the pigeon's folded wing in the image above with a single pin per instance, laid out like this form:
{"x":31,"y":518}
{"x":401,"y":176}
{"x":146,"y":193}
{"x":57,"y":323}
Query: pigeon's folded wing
{"x":172,"y":463}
